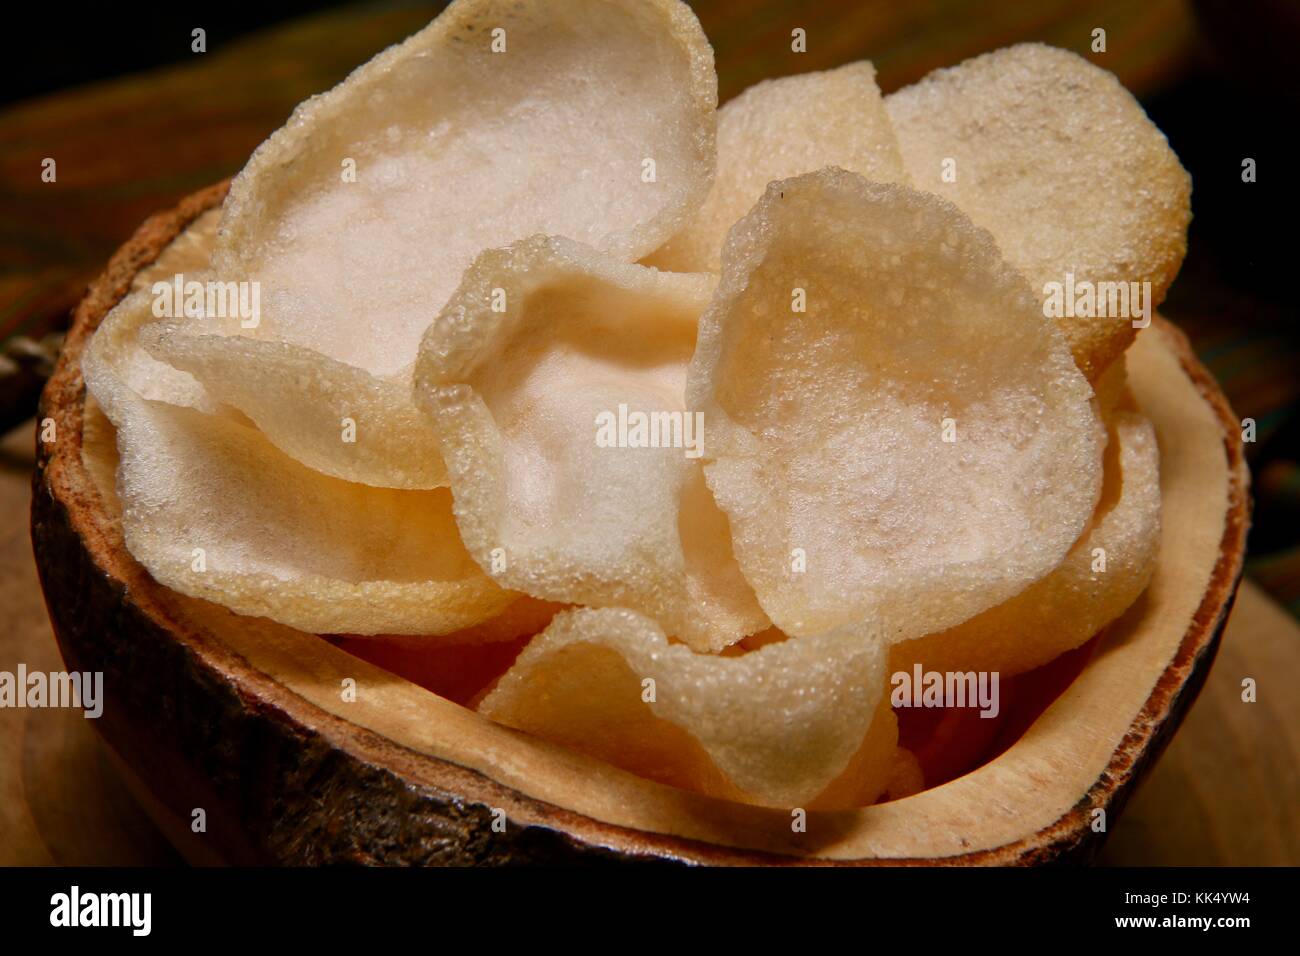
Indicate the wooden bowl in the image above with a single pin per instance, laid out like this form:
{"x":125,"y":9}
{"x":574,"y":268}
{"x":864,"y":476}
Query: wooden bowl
{"x":244,"y":720}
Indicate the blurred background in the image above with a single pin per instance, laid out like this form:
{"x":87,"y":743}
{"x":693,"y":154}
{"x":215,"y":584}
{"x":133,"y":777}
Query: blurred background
{"x":136,"y":118}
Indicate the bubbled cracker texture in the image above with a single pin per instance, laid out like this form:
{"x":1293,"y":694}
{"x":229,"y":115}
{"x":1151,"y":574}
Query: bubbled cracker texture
{"x":453,"y":148}
{"x":115,"y":346}
{"x":516,"y":395}
{"x":116,"y":366}
{"x":1059,"y":162}
{"x":303,"y":402}
{"x":1079,"y":597}
{"x":782,"y":128}
{"x":826,"y":427}
{"x":214,"y":511}
{"x":459,"y":149}
{"x":774,"y":726}
{"x":333,"y":417}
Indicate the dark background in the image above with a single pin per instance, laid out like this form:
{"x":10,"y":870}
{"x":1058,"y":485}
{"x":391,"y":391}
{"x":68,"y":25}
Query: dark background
{"x":136,"y":120}
{"x":108,"y":40}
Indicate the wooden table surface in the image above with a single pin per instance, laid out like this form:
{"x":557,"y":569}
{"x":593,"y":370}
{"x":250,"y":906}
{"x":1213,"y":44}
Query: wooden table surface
{"x":1227,"y":792}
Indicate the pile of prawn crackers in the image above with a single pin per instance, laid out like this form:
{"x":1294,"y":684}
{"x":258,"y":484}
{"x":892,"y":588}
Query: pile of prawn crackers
{"x":730,"y":413}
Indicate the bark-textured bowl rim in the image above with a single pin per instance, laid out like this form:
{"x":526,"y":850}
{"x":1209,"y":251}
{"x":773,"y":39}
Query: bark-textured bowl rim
{"x":207,"y":710}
